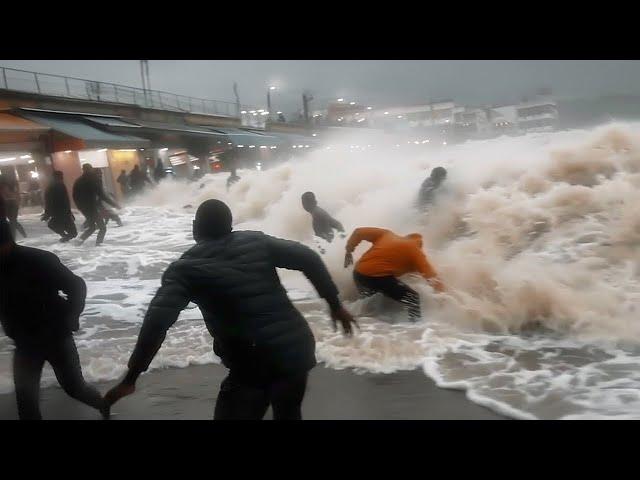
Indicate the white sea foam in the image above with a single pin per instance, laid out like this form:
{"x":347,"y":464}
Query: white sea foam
{"x":536,"y":238}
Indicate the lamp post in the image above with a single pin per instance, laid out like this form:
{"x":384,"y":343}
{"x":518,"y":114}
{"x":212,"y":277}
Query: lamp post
{"x":269,"y":99}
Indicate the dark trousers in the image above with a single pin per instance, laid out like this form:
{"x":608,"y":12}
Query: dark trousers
{"x":244,"y":398}
{"x":390,"y":287}
{"x":12,"y":215}
{"x":94,"y":222}
{"x":63,"y":226}
{"x":62,"y":355}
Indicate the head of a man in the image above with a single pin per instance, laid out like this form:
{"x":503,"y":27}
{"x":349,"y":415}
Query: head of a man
{"x":438,"y":174}
{"x":57,"y":176}
{"x":87,"y":169}
{"x":213,"y":220}
{"x":309,"y":201}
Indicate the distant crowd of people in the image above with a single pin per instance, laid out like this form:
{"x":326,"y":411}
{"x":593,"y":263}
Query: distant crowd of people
{"x":259,"y":335}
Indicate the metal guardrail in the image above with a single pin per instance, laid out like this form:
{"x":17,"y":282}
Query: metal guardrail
{"x":77,"y":88}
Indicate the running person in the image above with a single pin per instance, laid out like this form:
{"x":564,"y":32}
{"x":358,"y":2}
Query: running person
{"x":391,"y":256}
{"x":57,"y":209}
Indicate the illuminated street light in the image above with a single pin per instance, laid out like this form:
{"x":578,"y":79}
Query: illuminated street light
{"x":369,"y":108}
{"x":352,"y":103}
{"x":272,"y":88}
{"x":386,"y":113}
{"x":341,"y":99}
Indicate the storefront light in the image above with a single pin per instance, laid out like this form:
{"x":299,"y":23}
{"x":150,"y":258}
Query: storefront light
{"x":34,"y":174}
{"x":24,"y":157}
{"x":164,"y":149}
{"x":7,"y":159}
{"x":31,"y":161}
{"x":67,"y":151}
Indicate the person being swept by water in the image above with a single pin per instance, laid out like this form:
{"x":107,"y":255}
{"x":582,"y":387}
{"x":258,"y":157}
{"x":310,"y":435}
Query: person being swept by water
{"x":10,"y":191}
{"x":87,"y":194}
{"x":41,"y":323}
{"x":390,"y":257}
{"x":260,"y":336}
{"x":430,"y":186}
{"x":323,"y":223}
{"x":57,"y":209}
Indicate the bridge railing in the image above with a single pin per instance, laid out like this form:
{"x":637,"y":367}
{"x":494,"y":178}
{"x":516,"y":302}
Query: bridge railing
{"x":77,"y":88}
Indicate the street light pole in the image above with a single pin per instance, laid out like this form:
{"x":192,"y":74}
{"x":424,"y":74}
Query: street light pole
{"x":269,"y":99}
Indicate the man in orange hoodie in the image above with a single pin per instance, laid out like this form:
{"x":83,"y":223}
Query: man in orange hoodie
{"x":391,"y":256}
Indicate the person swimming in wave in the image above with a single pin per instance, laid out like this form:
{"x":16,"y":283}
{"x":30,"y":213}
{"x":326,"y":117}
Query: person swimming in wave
{"x":390,"y":257}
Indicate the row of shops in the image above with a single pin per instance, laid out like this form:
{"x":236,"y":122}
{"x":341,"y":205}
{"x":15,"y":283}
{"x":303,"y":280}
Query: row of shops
{"x":34,"y":142}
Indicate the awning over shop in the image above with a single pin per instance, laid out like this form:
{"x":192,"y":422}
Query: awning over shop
{"x":177,"y":128}
{"x":111,"y":122}
{"x":294,"y":138}
{"x":86,"y":135}
{"x":12,"y":123}
{"x":237,"y":136}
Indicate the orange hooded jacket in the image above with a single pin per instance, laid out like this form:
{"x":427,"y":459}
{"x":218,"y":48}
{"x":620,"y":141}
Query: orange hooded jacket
{"x":392,"y":255}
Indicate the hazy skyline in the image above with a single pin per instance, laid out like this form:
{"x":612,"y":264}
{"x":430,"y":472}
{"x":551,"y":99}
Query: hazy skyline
{"x":365,"y":81}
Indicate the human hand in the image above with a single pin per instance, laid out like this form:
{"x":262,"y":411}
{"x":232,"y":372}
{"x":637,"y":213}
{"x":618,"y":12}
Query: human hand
{"x":119,"y":391}
{"x":348,"y":259}
{"x":345,"y":319}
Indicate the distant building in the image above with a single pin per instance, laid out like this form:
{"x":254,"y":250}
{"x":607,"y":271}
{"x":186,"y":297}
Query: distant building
{"x":538,"y":114}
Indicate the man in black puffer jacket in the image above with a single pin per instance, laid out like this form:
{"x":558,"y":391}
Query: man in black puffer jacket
{"x":87,"y":194}
{"x":258,"y":333}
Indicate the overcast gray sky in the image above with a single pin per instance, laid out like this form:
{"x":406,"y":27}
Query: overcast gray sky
{"x":367,"y":81}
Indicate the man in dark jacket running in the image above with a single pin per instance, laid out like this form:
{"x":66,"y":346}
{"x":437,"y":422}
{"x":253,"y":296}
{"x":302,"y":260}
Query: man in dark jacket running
{"x":258,"y":333}
{"x":41,"y":322}
{"x":323,"y":223}
{"x":57,"y":209}
{"x":87,"y":193}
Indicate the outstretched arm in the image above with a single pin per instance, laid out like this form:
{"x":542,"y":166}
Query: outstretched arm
{"x":427,"y":271}
{"x":163,"y":312}
{"x":170,"y":299}
{"x":295,"y":256}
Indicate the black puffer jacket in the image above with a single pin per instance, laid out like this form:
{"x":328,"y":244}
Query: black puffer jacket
{"x":234,"y":281}
{"x":31,"y":310}
{"x":88,"y":192}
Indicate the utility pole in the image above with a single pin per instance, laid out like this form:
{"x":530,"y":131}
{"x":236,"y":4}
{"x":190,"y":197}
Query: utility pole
{"x":146,"y":84}
{"x":306,"y":98}
{"x":235,"y":92}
